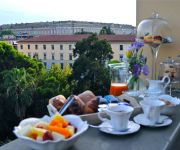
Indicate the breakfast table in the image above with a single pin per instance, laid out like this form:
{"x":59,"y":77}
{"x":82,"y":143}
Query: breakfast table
{"x":147,"y":138}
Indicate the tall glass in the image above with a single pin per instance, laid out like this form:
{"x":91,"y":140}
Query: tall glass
{"x":119,"y":76}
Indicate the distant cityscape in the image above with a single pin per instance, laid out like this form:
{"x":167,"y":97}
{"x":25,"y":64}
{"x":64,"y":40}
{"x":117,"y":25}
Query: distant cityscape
{"x":53,"y":42}
{"x":64,"y":28}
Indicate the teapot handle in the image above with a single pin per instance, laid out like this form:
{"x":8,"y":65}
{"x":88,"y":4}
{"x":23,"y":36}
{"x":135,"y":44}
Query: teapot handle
{"x":169,"y":80}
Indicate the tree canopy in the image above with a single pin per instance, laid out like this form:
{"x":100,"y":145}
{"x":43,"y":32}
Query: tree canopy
{"x":11,"y":58}
{"x":6,"y":32}
{"x":83,"y":32}
{"x":89,"y":68}
{"x":106,"y":30}
{"x":94,"y":49}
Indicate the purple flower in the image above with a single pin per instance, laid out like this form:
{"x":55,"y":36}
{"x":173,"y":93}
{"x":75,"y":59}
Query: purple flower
{"x":142,"y":58}
{"x":145,"y":70}
{"x":136,"y":70}
{"x":136,"y":45}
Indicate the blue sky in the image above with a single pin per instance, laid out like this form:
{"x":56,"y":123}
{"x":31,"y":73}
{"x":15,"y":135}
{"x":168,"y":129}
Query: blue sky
{"x":109,"y":11}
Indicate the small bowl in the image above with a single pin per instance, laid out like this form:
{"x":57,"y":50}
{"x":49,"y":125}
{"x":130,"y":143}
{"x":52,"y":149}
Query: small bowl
{"x":170,"y":110}
{"x":76,"y":121}
{"x":174,"y":104}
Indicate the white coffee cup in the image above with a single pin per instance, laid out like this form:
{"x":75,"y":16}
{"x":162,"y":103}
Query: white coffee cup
{"x":152,"y":109}
{"x":119,"y":116}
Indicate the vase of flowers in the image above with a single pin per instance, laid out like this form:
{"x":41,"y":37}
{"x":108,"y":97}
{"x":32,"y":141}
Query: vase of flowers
{"x":137,"y":64}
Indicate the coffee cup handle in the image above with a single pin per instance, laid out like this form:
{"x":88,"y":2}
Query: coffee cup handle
{"x":102,"y":118}
{"x":169,"y":80}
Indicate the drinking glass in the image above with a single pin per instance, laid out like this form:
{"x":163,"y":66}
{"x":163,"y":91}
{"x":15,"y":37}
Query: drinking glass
{"x":119,"y":76}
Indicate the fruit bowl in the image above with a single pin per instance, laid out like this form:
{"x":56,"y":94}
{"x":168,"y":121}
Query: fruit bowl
{"x":60,"y":144}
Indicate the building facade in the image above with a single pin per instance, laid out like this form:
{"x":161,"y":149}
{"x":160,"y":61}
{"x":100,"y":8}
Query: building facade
{"x":58,"y":49}
{"x":64,"y":28}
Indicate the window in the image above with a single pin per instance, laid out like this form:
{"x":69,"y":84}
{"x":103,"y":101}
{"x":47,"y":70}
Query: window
{"x":52,"y":56}
{"x":36,"y":56}
{"x":21,"y":46}
{"x":52,"y":47}
{"x":70,"y":47}
{"x":61,"y":56}
{"x":29,"y":54}
{"x":62,"y":65}
{"x":44,"y":46}
{"x":36,"y":46}
{"x":44,"y":56}
{"x":61,"y":47}
{"x":121,"y":57}
{"x":28,"y":46}
{"x":121,"y":47}
{"x":70,"y":56}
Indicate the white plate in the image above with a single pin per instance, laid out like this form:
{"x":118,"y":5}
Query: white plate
{"x":107,"y":128}
{"x":142,"y":120}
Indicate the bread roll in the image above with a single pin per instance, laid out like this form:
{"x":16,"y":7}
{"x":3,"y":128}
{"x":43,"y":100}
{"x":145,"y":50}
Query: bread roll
{"x":58,"y":101}
{"x":86,"y":96}
{"x":76,"y":107}
{"x":84,"y":103}
{"x":91,"y":106}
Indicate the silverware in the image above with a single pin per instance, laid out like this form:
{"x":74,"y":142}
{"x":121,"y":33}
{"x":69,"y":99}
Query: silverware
{"x":67,"y":104}
{"x":108,"y":127}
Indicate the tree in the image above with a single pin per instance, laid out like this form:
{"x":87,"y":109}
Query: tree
{"x":11,"y":58}
{"x":19,"y":88}
{"x":52,"y":83}
{"x":94,"y":49}
{"x":83,"y":32}
{"x":18,"y":74}
{"x":89,"y":69}
{"x":6,"y":32}
{"x":106,"y":30}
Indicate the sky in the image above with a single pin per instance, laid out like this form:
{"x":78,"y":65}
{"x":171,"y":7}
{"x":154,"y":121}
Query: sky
{"x":107,"y":11}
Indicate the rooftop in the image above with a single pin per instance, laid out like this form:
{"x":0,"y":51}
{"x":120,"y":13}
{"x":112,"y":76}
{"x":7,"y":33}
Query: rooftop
{"x":78,"y":37}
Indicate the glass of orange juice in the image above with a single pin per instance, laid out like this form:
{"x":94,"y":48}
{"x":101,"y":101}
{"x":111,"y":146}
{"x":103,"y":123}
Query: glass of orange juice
{"x":117,"y":89}
{"x":119,"y":76}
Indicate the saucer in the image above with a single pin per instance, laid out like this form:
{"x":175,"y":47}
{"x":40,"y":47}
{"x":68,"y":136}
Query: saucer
{"x":107,"y":128}
{"x":142,"y":120}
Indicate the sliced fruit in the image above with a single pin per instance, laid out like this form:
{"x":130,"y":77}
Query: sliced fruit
{"x":47,"y":136}
{"x":60,"y":130}
{"x":56,"y":122}
{"x":35,"y":132}
{"x":71,"y":130}
{"x":43,"y":125}
{"x":60,"y":119}
{"x":57,"y":136}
